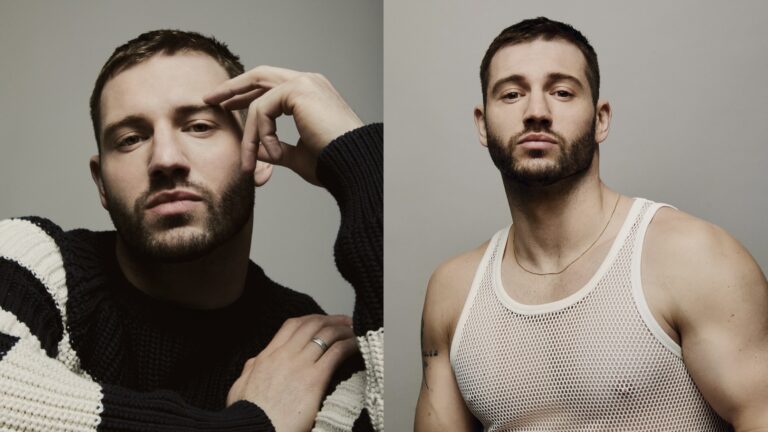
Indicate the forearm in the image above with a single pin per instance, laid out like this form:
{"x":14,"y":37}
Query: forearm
{"x":351,"y":168}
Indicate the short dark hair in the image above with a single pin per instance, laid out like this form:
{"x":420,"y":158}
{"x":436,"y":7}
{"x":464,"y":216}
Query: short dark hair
{"x":155,"y":42}
{"x":542,"y":28}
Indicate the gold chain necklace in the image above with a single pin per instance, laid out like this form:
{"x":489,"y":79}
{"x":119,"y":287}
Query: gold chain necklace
{"x":514,"y":254}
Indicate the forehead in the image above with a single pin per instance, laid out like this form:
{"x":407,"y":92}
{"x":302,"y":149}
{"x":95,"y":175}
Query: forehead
{"x":160,"y":83}
{"x":537,"y":59}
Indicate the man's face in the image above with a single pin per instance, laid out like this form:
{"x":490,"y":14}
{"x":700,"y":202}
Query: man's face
{"x":169,"y":171}
{"x":539,"y":120}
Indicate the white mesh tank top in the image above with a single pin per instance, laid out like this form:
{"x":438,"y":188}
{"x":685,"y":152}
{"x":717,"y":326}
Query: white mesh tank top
{"x":595,"y":360}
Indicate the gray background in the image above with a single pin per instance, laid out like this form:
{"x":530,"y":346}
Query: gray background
{"x":51,"y":53}
{"x":687,"y":82}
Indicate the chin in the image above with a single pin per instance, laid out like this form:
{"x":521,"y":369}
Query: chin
{"x":533,"y":167}
{"x":179,"y":244}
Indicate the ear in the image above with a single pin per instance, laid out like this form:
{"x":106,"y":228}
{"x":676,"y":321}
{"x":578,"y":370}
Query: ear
{"x":480,"y":125}
{"x":262,"y":173}
{"x":602,"y":120}
{"x":95,"y":165}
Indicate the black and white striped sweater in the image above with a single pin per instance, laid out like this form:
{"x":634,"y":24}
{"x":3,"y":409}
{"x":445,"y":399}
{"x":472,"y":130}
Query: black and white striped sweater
{"x":82,"y":350}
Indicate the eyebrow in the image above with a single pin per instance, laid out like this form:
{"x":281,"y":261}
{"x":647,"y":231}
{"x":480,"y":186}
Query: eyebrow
{"x":178,"y":112}
{"x":188,"y":110}
{"x":521,"y":80}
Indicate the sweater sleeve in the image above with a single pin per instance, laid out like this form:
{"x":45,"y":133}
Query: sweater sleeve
{"x":351,"y":168}
{"x":43,"y":387}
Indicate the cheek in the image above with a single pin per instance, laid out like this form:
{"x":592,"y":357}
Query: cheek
{"x":124,"y":181}
{"x":219,"y":166}
{"x":505,"y":121}
{"x":573,"y":123}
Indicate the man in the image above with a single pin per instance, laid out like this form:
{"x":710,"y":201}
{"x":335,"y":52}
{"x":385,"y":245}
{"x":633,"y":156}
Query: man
{"x":165,"y":324}
{"x":554,"y":324}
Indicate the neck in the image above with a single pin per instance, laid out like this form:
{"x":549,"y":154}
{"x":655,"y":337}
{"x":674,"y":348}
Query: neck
{"x":212,"y":281}
{"x":554,"y":224}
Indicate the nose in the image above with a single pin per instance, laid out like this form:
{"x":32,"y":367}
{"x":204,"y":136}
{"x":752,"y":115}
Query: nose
{"x":537,"y":114}
{"x":168,"y":159}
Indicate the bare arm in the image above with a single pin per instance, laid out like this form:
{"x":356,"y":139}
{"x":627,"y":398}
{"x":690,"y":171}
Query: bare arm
{"x":441,"y":406}
{"x":719,"y":306}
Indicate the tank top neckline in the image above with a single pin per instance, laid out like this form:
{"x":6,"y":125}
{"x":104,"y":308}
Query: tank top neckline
{"x":557,"y":305}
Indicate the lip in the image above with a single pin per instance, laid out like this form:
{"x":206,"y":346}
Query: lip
{"x":172,"y":196}
{"x":537,"y":137}
{"x":537,"y":142}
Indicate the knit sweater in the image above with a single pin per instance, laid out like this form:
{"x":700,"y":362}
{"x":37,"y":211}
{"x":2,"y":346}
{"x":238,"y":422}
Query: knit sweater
{"x":83,"y":350}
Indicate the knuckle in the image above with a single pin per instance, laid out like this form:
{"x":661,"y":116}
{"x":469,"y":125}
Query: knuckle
{"x":258,"y":71}
{"x":320,"y":78}
{"x":249,"y":363}
{"x":314,"y":318}
{"x":291,"y":322}
{"x":306,"y":79}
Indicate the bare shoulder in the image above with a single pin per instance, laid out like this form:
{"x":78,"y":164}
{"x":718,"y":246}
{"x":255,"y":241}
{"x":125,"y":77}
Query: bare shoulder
{"x":448,"y":289}
{"x":697,"y":262}
{"x":681,"y":241}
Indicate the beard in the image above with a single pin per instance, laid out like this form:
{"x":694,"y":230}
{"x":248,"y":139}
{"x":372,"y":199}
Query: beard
{"x":168,"y":242}
{"x":574,"y":157}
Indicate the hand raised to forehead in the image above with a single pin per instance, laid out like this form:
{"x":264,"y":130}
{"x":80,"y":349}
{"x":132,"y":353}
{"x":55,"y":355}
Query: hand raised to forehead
{"x":319,"y":112}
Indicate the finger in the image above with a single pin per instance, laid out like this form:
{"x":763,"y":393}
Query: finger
{"x":241,"y":101}
{"x":311,"y":327}
{"x":260,"y":129}
{"x":271,"y":148}
{"x":336,"y":354}
{"x":286,"y":331}
{"x":265,"y":77}
{"x":330,"y":335}
{"x":277,"y":152}
{"x":248,"y":365}
{"x":236,"y":391}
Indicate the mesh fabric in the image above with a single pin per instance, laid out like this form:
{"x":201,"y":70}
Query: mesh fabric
{"x":593,"y":361}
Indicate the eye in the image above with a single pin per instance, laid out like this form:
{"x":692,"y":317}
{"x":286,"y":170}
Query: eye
{"x":129,"y":140}
{"x":510,"y":96}
{"x":200,"y":128}
{"x":564,"y":94}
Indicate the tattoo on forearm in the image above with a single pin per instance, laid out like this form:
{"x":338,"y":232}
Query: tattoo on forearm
{"x":425,"y":354}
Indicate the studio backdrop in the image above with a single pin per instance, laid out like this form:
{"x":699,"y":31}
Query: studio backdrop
{"x":686,"y":81}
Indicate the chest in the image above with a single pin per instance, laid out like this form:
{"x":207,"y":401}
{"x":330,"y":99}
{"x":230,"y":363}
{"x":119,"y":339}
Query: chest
{"x":120,"y":345}
{"x":524,"y":288}
{"x":576,"y":366}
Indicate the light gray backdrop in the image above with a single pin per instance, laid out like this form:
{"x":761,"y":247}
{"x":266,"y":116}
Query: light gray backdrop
{"x":687,"y":82}
{"x":51,"y":53}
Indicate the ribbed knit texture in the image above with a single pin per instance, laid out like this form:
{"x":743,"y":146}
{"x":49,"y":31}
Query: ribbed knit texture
{"x":81,"y":349}
{"x":352,"y":171}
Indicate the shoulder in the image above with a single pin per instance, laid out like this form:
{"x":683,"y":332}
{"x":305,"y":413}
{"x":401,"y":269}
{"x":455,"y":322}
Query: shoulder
{"x":31,"y":242}
{"x":453,"y":276}
{"x":274,"y":299}
{"x":678,"y":241}
{"x":448,"y":289}
{"x":698,"y":263}
{"x":22,"y":228}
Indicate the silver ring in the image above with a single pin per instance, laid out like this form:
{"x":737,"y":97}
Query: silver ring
{"x":321,"y":343}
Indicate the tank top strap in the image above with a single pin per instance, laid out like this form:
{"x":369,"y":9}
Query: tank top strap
{"x":636,"y":276}
{"x":484,"y":270}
